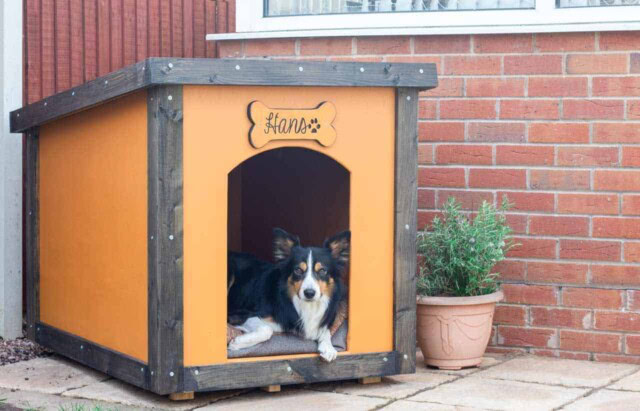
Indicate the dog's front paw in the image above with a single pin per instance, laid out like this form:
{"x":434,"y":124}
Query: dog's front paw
{"x":234,"y":345}
{"x":327,"y":352}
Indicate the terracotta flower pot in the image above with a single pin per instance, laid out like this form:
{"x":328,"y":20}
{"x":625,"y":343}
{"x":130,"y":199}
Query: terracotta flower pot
{"x":453,"y":332}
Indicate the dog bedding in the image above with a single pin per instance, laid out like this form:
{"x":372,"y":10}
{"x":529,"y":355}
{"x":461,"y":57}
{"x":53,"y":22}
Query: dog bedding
{"x":282,"y":344}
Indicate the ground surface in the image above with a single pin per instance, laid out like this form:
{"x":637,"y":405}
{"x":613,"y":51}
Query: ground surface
{"x":19,"y":349}
{"x":501,"y":383}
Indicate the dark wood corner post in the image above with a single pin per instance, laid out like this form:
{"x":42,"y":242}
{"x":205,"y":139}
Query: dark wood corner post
{"x":406,"y":206}
{"x":165,"y":239}
{"x":32,"y":230}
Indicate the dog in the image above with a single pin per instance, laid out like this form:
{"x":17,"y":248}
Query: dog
{"x":299,"y":293}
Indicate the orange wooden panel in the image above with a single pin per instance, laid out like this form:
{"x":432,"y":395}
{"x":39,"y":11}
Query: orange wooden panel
{"x":93,"y":225}
{"x":216,"y":141}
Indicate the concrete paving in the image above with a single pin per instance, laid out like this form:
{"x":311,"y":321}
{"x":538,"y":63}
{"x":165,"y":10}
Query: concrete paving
{"x":499,"y":383}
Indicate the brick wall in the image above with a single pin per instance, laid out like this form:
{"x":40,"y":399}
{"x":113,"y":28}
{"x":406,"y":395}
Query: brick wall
{"x":553,"y":122}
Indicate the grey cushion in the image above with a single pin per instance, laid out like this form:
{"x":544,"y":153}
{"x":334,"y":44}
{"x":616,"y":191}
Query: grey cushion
{"x":280,"y":344}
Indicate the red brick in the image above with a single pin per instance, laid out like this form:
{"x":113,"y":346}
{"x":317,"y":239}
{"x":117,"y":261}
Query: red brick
{"x":625,"y":359}
{"x":594,"y":109}
{"x":631,"y":156}
{"x":447,"y":87}
{"x":630,"y":204}
{"x":525,"y":155}
{"x":425,"y":153}
{"x":442,"y":44}
{"x":544,"y":353}
{"x":633,"y":344}
{"x":559,"y":226}
{"x":270,"y":47}
{"x":616,"y":227}
{"x":426,"y":199}
{"x":560,"y":317}
{"x":633,"y":109}
{"x":497,"y":132}
{"x":503,"y":43}
{"x":620,"y":40}
{"x":617,"y":321}
{"x":559,"y":133}
{"x":592,"y":298}
{"x":533,"y":248}
{"x":529,"y":109}
{"x":590,"y":250}
{"x":635,"y":62}
{"x":510,"y":315}
{"x":622,"y":180}
{"x":528,"y":201}
{"x":559,"y":179}
{"x":588,"y":203}
{"x":596,"y":64}
{"x":434,"y":131}
{"x":437,"y":60}
{"x":557,"y":86}
{"x":441,"y":177}
{"x":616,"y":86}
{"x":383,"y":45}
{"x":495,"y":87}
{"x":565,"y":42}
{"x":510,"y":270}
{"x":484,"y":109}
{"x":588,"y":156}
{"x":425,"y":218}
{"x":469,"y":200}
{"x":471,"y":65}
{"x":427,"y":109}
{"x":559,"y":273}
{"x":230,"y":48}
{"x":616,"y":133}
{"x":325,"y":46}
{"x":632,"y":253}
{"x":589,"y":341}
{"x":620,"y":275}
{"x":517,"y":223}
{"x":533,"y":64}
{"x":529,"y":294}
{"x":464,"y":154}
{"x":527,"y":337}
{"x":497,"y":178}
{"x":633,"y":300}
{"x":583,"y":356}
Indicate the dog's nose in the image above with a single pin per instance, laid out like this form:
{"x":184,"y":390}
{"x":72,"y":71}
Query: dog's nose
{"x":309,"y":293}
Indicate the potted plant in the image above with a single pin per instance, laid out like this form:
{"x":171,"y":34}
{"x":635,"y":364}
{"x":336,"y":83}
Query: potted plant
{"x":457,"y":289}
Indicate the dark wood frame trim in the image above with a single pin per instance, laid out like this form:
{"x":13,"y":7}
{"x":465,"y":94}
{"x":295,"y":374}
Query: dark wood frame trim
{"x":165,"y":238}
{"x":113,"y":363}
{"x":32,"y":229}
{"x":158,"y":71}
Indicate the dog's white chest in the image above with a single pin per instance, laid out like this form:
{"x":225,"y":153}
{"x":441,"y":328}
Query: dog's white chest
{"x":311,"y":314}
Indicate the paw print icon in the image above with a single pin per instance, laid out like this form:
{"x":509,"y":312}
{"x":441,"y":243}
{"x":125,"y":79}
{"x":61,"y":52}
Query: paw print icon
{"x":315,"y":126}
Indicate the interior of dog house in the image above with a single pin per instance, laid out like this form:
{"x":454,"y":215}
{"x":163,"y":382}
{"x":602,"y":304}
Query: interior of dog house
{"x":141,"y":183}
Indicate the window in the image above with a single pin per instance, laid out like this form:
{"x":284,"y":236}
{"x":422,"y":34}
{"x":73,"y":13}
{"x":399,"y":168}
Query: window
{"x":326,"y":18}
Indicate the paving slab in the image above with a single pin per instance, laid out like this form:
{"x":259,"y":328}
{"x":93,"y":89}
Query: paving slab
{"x":630,"y":383}
{"x":425,"y":406}
{"x":473,"y":391}
{"x":30,"y":400}
{"x":122,"y":393}
{"x":297,"y":399}
{"x":399,"y":386}
{"x":51,"y":375}
{"x":607,"y":400}
{"x":557,"y":371}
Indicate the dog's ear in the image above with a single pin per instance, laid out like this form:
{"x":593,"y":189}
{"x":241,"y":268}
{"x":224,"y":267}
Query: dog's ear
{"x":283,"y":242}
{"x":340,"y":246}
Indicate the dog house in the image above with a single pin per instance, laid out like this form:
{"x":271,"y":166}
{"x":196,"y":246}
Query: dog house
{"x":139,"y":182}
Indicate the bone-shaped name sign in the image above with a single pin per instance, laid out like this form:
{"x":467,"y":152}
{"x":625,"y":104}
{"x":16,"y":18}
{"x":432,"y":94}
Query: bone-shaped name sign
{"x":291,"y":124}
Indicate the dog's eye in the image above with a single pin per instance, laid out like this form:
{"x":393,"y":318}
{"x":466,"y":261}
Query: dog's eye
{"x":322,"y":271}
{"x":297,"y":272}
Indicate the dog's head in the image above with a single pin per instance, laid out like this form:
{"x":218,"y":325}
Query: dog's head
{"x":311,"y":272}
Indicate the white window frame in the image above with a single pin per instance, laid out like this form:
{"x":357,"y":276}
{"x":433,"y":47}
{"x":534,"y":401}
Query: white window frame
{"x":252,"y":23}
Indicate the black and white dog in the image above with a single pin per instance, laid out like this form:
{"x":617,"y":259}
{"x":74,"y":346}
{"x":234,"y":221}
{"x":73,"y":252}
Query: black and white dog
{"x":300,"y":293}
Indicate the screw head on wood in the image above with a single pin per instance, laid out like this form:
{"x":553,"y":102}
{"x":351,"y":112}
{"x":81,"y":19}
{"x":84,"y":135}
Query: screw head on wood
{"x":82,"y":347}
{"x":406,"y":357}
{"x":300,"y":69}
{"x":171,"y":237}
{"x":406,"y":227}
{"x":170,"y":65}
{"x":106,"y":82}
{"x":237,"y":67}
{"x":408,"y":98}
{"x":289,"y":369}
{"x":361,"y":69}
{"x":385,"y":359}
{"x":171,"y":374}
{"x":170,"y":98}
{"x":421,"y":71}
{"x":196,"y":372}
{"x":45,"y":103}
{"x":73,"y":93}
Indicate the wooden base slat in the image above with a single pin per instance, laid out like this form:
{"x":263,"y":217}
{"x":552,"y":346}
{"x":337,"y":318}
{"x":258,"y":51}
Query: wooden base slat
{"x":182,"y":396}
{"x":271,"y":388}
{"x":370,"y":380}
